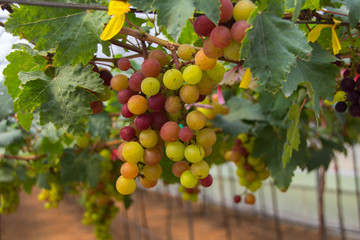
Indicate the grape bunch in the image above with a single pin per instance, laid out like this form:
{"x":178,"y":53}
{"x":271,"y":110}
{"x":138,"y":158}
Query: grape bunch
{"x":225,"y":39}
{"x":159,"y":102}
{"x":52,"y":196}
{"x":349,"y":97}
{"x":9,"y":196}
{"x":250,"y":170}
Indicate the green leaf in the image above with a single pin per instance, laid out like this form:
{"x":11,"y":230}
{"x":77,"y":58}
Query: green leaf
{"x":354,"y":12}
{"x":100,"y":125}
{"x":298,"y":4}
{"x":6,"y":107}
{"x":80,"y":168}
{"x":6,"y":173}
{"x":73,"y":33}
{"x":167,"y":176}
{"x":231,"y":127}
{"x":244,"y":109}
{"x":324,"y":155}
{"x":145,"y":5}
{"x":173,"y":14}
{"x":20,"y":60}
{"x":188,"y":34}
{"x":220,"y":147}
{"x":271,"y":45}
{"x":292,"y":135}
{"x":8,"y":135}
{"x":52,"y":149}
{"x":61,"y":100}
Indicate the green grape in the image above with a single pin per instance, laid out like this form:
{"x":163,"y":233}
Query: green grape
{"x":200,"y":169}
{"x":255,"y":185}
{"x":186,"y":196}
{"x":125,"y":186}
{"x":186,"y":52}
{"x":264,"y":174}
{"x":217,"y":73}
{"x":148,"y":138}
{"x":259,"y":167}
{"x":192,"y":74}
{"x":241,"y":172}
{"x":173,"y":79}
{"x":243,"y":181}
{"x":83,"y":141}
{"x":232,"y":51}
{"x":243,"y":137}
{"x":206,"y":137}
{"x":152,"y":172}
{"x":150,"y":86}
{"x":107,"y":94}
{"x":196,"y":120}
{"x":175,"y":151}
{"x":105,"y":153}
{"x":188,"y":180}
{"x":194,"y":153}
{"x":189,"y":94}
{"x":253,"y":161}
{"x":132,"y":152}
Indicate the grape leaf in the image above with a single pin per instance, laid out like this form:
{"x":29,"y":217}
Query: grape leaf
{"x":8,"y":135}
{"x":6,"y":173}
{"x":21,"y":60}
{"x":292,"y":135}
{"x":82,"y":168}
{"x":142,"y":4}
{"x":298,"y":4}
{"x":173,"y":14}
{"x":188,"y":35}
{"x":323,"y":156}
{"x":6,"y":107}
{"x":354,"y":12}
{"x":231,"y":127}
{"x":244,"y":110}
{"x":220,"y":147}
{"x":271,"y":45}
{"x":100,"y":125}
{"x":167,"y":176}
{"x":61,"y":100}
{"x":73,"y":33}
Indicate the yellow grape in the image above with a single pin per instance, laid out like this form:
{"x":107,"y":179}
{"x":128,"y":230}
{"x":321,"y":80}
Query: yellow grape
{"x":148,"y":138}
{"x":204,"y":62}
{"x":150,"y":86}
{"x":186,"y":52}
{"x":173,"y":79}
{"x":152,"y":172}
{"x":206,"y":137}
{"x":125,"y":186}
{"x":192,"y":74}
{"x":188,"y":180}
{"x":175,"y":151}
{"x":200,"y":169}
{"x":217,"y":73}
{"x":206,"y":85}
{"x":132,"y":152}
{"x":243,"y":9}
{"x":194,"y":153}
{"x":196,"y":120}
{"x":189,"y":94}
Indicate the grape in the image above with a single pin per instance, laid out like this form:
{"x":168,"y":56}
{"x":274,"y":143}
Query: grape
{"x":105,"y":153}
{"x":345,"y":72}
{"x":353,"y":96}
{"x":127,"y":133}
{"x":132,"y":152}
{"x":253,"y":161}
{"x":152,"y":172}
{"x":186,"y":52}
{"x":232,"y":51}
{"x":179,"y":167}
{"x":148,"y":183}
{"x":148,"y":138}
{"x":96,"y":106}
{"x":150,"y":68}
{"x":157,"y":102}
{"x":237,"y":198}
{"x":124,"y":64}
{"x":211,"y":51}
{"x":208,"y":151}
{"x":186,"y":134}
{"x":173,"y":104}
{"x":249,"y":198}
{"x":205,"y":85}
{"x":152,"y":156}
{"x":119,"y":151}
{"x":226,"y":10}
{"x":243,"y":9}
{"x":207,"y":181}
{"x":129,"y":170}
{"x":158,"y":120}
{"x":264,"y":174}
{"x":200,"y":169}
{"x":95,"y":68}
{"x":238,"y":30}
{"x":169,"y":131}
{"x":160,"y":56}
{"x":104,"y":96}
{"x":250,"y":176}
{"x":189,"y":94}
{"x":204,"y":62}
{"x":255,"y":185}
{"x":119,"y":82}
{"x":340,"y":96}
{"x":194,"y":153}
{"x":123,"y":96}
{"x":192,"y":74}
{"x":173,"y":79}
{"x":354,"y":110}
{"x":83,"y":141}
{"x":143,"y":121}
{"x":341,"y":107}
{"x":125,"y":186}
{"x":217,"y":73}
{"x":347,"y":84}
{"x":150,"y":86}
{"x":206,"y":137}
{"x":125,"y":111}
{"x":137,"y":104}
{"x":220,"y":36}
{"x":203,"y":26}
{"x":106,"y":76}
{"x":357,"y":84}
{"x":201,"y":97}
{"x":135,"y":81}
{"x":175,"y":151}
{"x":358,"y":68}
{"x":196,"y":120}
{"x":188,"y":180}
{"x":258,"y":168}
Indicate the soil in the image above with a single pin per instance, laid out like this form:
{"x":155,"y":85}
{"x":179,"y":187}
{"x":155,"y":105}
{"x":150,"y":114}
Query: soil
{"x":153,"y":216}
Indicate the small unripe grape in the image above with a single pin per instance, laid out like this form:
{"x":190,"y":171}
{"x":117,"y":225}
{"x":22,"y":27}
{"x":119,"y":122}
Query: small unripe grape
{"x":124,"y":64}
{"x":125,"y":186}
{"x":186,"y":52}
{"x":188,"y":180}
{"x":83,"y":141}
{"x":243,"y":9}
{"x":192,"y":74}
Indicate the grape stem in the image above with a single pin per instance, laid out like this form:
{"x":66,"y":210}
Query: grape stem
{"x":2,"y":24}
{"x":172,"y":48}
{"x":24,"y":158}
{"x":144,"y":49}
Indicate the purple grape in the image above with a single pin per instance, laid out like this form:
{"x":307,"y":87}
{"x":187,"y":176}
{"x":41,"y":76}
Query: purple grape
{"x":353,"y":96}
{"x":158,"y":120}
{"x":106,"y":76}
{"x":358,"y":68}
{"x":157,"y":102}
{"x":127,"y":133}
{"x":347,"y":84}
{"x":354,"y":110}
{"x":143,"y":121}
{"x":341,"y":107}
{"x":124,"y":95}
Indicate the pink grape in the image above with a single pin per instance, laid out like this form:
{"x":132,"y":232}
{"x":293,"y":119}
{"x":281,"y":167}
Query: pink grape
{"x":220,"y":37}
{"x":186,"y":134}
{"x":150,"y":68}
{"x":124,"y":64}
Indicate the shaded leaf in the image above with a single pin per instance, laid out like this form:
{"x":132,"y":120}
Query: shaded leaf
{"x":354,"y":12}
{"x":100,"y":125}
{"x":6,"y":106}
{"x":292,"y":134}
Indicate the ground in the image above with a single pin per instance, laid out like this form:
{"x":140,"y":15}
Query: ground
{"x":152,"y":217}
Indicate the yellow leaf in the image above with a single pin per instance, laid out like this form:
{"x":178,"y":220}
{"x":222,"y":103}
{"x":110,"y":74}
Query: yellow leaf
{"x":245,"y":81}
{"x":315,"y":32}
{"x":118,"y":7}
{"x":113,"y":27}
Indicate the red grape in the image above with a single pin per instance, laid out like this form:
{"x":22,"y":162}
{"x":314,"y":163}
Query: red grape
{"x":143,"y":121}
{"x":203,"y":26}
